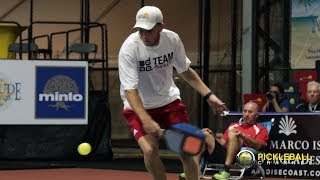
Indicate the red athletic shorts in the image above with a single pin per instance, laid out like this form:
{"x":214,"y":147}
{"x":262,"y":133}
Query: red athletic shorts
{"x":165,"y":116}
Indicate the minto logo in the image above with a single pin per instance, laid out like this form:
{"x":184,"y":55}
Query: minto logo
{"x":56,"y":96}
{"x":60,"y":92}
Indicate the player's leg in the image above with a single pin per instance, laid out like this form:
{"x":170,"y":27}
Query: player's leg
{"x":150,"y":148}
{"x":209,"y":140}
{"x":190,"y":167}
{"x":177,"y":114}
{"x":197,"y":159}
{"x":148,"y":143}
{"x":212,"y":152}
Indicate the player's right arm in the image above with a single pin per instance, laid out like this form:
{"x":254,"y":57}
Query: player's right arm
{"x":149,"y":125}
{"x":128,"y":75}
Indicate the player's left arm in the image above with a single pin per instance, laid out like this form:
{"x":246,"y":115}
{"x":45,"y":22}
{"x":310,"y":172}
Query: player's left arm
{"x":193,"y":79}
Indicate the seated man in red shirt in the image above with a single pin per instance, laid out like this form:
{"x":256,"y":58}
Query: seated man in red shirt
{"x":246,"y":133}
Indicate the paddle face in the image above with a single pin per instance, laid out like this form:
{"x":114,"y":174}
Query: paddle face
{"x":184,"y":139}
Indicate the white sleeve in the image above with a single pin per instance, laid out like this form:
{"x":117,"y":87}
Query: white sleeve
{"x":128,"y":69}
{"x":182,"y":62}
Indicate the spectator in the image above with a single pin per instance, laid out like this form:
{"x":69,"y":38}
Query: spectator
{"x":276,"y":100}
{"x":313,"y":95}
{"x":247,"y":133}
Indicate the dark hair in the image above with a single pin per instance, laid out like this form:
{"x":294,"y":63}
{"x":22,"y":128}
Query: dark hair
{"x":278,"y":85}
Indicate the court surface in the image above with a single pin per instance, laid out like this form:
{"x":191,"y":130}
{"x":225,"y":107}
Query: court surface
{"x":127,"y":165}
{"x":79,"y":174}
{"x":119,"y":169}
{"x":76,"y":174}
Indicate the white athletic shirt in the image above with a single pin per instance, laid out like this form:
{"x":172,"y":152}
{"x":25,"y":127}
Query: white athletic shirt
{"x":149,"y":69}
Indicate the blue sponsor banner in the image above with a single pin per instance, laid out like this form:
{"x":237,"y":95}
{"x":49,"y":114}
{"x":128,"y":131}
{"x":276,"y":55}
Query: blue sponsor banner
{"x":60,"y":92}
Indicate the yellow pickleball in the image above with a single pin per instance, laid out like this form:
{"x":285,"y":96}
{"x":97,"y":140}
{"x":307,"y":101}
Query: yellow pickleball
{"x":84,"y":148}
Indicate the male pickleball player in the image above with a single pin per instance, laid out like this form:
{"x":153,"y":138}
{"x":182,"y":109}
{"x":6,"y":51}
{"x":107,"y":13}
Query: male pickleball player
{"x":150,"y":97}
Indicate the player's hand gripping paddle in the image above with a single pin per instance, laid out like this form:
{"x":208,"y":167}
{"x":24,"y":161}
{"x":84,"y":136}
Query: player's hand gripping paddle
{"x":184,"y":139}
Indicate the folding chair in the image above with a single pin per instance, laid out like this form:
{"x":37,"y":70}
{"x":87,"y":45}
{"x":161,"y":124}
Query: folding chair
{"x":290,"y":87}
{"x":82,"y":49}
{"x":294,"y":99}
{"x":23,"y":48}
{"x":217,"y":167}
{"x":236,"y":171}
{"x":304,"y":75}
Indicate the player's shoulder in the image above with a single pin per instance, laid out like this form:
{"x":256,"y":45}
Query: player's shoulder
{"x":131,"y":42}
{"x":168,"y":31}
{"x":132,"y":38}
{"x":170,"y":34}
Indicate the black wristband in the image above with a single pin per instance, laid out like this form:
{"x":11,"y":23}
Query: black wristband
{"x":206,"y":97}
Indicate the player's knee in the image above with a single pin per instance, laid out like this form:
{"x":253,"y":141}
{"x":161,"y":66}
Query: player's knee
{"x":187,"y":159}
{"x":150,"y":151}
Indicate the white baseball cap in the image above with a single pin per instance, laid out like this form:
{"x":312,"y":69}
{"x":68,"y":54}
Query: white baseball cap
{"x":147,"y":17}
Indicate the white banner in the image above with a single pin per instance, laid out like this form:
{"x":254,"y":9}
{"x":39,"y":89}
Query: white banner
{"x":43,"y":92}
{"x":305,"y":34}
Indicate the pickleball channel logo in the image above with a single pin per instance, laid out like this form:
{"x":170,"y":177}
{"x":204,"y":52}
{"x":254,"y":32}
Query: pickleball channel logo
{"x":60,"y":92}
{"x":9,"y":92}
{"x":245,"y":159}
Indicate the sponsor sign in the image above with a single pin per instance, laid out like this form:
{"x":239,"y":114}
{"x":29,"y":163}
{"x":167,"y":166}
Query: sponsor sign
{"x":293,"y":148}
{"x":60,"y":92}
{"x":305,"y":34}
{"x":43,"y":92}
